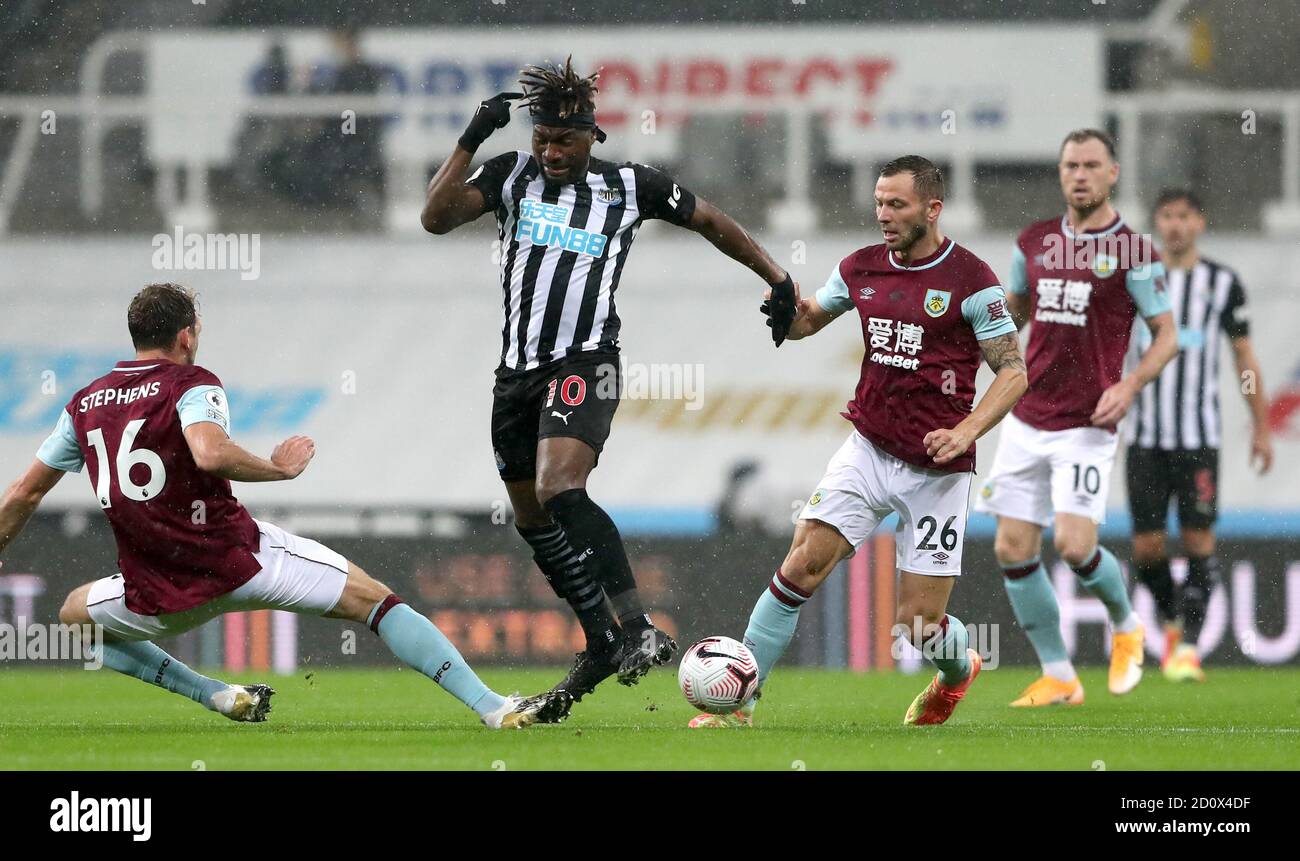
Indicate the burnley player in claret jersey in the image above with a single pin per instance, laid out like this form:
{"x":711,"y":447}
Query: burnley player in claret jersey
{"x":567,"y":221}
{"x":1081,"y":279}
{"x":153,"y":434}
{"x":929,"y":309}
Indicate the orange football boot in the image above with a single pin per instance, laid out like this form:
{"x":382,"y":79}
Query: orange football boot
{"x":934,"y":705}
{"x":1050,"y":691}
{"x":1126,"y":660}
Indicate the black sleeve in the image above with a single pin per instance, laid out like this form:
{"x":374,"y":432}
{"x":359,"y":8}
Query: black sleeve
{"x":1236,"y":317}
{"x":491,"y":176}
{"x":657,"y":196}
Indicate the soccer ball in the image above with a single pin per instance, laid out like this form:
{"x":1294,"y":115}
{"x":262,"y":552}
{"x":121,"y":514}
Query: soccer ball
{"x":718,"y":675}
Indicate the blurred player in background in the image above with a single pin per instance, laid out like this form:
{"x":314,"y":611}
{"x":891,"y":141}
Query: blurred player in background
{"x":154,"y":432}
{"x":567,"y":221}
{"x":1082,"y":278}
{"x":928,"y":309}
{"x":1177,"y":430}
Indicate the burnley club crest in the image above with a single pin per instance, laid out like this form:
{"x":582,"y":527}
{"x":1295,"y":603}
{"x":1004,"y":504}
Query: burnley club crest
{"x":936,"y":302}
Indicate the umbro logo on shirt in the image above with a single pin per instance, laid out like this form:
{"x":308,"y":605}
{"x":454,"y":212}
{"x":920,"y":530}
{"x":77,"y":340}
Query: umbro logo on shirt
{"x":866,"y":293}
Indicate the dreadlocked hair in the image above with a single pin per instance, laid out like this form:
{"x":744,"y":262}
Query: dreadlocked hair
{"x":562,"y":91}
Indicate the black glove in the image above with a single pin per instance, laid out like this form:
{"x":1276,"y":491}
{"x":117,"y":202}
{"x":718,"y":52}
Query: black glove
{"x":491,"y":115}
{"x":780,"y":309}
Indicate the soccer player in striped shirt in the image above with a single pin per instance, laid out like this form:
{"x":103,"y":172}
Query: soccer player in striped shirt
{"x":1176,"y":430}
{"x":567,"y":221}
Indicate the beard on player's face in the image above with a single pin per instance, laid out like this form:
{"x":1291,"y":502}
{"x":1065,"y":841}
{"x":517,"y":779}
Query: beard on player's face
{"x":1086,"y":194}
{"x":1088,"y":203}
{"x":907,"y":235}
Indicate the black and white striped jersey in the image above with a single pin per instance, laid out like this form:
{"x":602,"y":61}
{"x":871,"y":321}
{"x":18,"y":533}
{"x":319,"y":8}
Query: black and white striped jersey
{"x":1180,"y":409}
{"x":563,"y":248}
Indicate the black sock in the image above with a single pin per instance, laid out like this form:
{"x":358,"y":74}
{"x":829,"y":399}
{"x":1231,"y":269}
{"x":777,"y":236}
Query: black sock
{"x":631,"y":614}
{"x":1156,"y":577}
{"x":1202,"y":576}
{"x":569,"y":579}
{"x":597,"y":541}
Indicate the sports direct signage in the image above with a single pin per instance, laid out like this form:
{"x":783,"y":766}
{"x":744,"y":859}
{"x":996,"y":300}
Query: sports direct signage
{"x":1000,"y":92}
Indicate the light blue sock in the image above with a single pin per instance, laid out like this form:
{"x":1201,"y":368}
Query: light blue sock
{"x":1036,"y":609}
{"x":148,"y":663}
{"x":947,"y":651}
{"x":419,"y":644}
{"x":773,"y":622}
{"x":1101,"y":576}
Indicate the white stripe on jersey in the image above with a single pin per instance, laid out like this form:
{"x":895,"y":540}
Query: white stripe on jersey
{"x":1213,"y":332}
{"x":1197,"y":298}
{"x":1167,"y":390}
{"x":1146,"y":435}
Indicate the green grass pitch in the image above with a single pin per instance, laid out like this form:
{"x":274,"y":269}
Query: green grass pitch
{"x":811,"y":719}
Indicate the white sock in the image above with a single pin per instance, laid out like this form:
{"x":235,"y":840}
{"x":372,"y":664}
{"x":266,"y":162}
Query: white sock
{"x":1062,"y":670}
{"x":1129,"y":625}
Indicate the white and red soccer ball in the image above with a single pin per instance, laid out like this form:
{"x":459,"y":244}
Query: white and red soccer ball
{"x":718,"y":675}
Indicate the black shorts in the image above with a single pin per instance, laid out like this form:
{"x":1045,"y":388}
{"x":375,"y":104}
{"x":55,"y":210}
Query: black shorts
{"x":1156,"y":476}
{"x":573,"y":397}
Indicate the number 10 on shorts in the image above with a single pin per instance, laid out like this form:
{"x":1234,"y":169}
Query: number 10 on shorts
{"x":1089,"y":478}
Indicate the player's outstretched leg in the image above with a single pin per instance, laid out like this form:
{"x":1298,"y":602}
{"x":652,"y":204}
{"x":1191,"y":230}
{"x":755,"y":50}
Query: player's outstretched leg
{"x":816,"y":550}
{"x":418,"y":643}
{"x":1099,"y":572}
{"x":147,"y":662}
